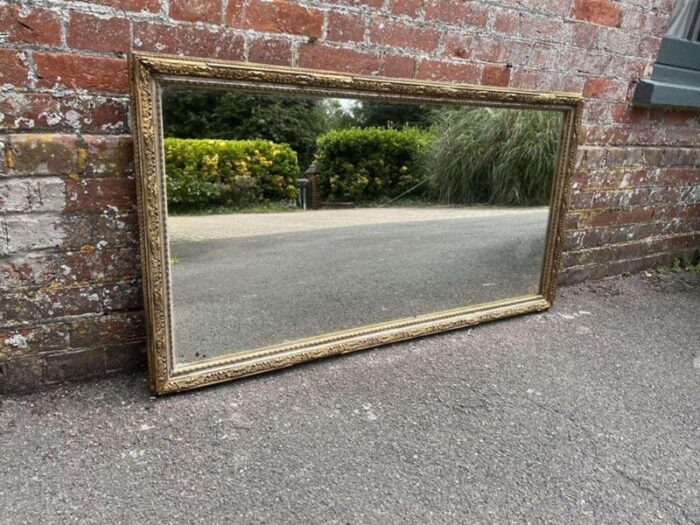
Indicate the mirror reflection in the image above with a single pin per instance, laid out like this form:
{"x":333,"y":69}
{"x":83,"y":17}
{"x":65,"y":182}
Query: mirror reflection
{"x":293,"y":217}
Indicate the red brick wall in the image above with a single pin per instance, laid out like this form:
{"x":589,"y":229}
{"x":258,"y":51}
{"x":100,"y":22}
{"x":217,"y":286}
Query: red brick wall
{"x":70,"y":302}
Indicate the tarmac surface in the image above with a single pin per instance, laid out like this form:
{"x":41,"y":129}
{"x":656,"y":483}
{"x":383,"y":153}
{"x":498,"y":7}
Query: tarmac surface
{"x":588,"y":413}
{"x":258,"y":288}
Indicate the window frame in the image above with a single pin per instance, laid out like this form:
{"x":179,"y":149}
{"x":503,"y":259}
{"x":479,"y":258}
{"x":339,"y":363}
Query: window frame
{"x":675,"y":79}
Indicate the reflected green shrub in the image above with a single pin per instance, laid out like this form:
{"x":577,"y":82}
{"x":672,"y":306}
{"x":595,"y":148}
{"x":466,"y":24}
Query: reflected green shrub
{"x":209,"y":172}
{"x":496,"y":156}
{"x":365,"y":165}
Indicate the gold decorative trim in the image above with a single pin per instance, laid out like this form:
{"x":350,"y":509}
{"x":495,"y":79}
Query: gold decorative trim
{"x":149,"y":72}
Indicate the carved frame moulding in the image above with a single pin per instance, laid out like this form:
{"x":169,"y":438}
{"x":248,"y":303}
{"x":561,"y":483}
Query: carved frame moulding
{"x":150,"y":72}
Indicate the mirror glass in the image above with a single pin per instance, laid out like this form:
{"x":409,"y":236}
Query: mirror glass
{"x":293,"y":217}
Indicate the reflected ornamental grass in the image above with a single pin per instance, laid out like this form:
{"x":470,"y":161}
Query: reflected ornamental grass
{"x":495,"y":156}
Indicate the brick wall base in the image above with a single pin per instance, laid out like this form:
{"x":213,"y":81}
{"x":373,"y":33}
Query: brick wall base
{"x":70,"y":290}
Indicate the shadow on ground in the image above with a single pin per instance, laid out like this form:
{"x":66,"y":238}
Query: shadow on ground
{"x":587,"y":413}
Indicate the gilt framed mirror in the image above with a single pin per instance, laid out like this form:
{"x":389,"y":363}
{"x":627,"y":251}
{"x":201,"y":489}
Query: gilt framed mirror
{"x":288,"y":215}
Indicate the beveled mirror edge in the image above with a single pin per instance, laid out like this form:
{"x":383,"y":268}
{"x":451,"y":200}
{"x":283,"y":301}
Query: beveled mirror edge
{"x":145,"y":120}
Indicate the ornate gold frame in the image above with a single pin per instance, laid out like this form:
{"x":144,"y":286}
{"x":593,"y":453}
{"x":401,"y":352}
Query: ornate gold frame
{"x":149,"y":72}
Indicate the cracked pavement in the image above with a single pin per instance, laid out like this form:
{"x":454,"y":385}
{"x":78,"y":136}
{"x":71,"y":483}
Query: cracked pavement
{"x":588,"y":413}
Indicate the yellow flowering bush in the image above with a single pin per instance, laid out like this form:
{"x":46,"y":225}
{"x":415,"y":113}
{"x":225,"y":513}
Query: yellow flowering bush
{"x":210,"y":172}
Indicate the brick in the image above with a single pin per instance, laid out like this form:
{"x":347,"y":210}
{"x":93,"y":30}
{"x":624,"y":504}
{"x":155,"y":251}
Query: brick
{"x":188,"y":40}
{"x":400,"y":66}
{"x":398,"y":34}
{"x":35,"y":26}
{"x":117,"y":328}
{"x":75,"y":365}
{"x":126,"y":295}
{"x":117,"y":228}
{"x":81,"y":72}
{"x":476,"y":47}
{"x":338,"y":59}
{"x":345,"y":27}
{"x":26,"y":270}
{"x":28,"y":232}
{"x":97,"y":34}
{"x":506,"y":21}
{"x":98,"y":194}
{"x":33,"y":340}
{"x":130,"y":357}
{"x":21,"y":375}
{"x":29,"y":195}
{"x":457,"y":12}
{"x":45,"y":154}
{"x":61,"y":113}
{"x":101,"y":264}
{"x":445,"y":71}
{"x":207,"y":11}
{"x":604,"y":88}
{"x":405,"y":7}
{"x":602,"y":12}
{"x":366,"y":5}
{"x":495,"y":76}
{"x":152,"y":6}
{"x":14,"y":70}
{"x":537,"y":28}
{"x":267,"y":51}
{"x":276,"y":16}
{"x":108,"y":156}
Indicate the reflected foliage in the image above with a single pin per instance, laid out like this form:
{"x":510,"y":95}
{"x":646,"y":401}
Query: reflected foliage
{"x":240,"y":116}
{"x":231,"y":173}
{"x":364,"y":165}
{"x":495,"y":156}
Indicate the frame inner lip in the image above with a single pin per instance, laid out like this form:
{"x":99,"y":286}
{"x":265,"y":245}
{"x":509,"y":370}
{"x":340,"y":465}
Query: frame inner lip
{"x":358,"y":333}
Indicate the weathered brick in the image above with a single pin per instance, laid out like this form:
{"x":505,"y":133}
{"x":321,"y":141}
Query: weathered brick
{"x":29,"y":195}
{"x":446,"y":71}
{"x":130,"y":357}
{"x":495,"y":76}
{"x":125,"y":295}
{"x":63,"y":112}
{"x":95,"y":33}
{"x":132,"y":5}
{"x":345,"y":27}
{"x":339,"y":59}
{"x":268,"y":51}
{"x":207,"y":11}
{"x":397,"y":34}
{"x":108,"y":156}
{"x":457,"y":12}
{"x":97,"y":194}
{"x":276,"y":16}
{"x":506,"y":21}
{"x":35,"y":26}
{"x":21,"y":375}
{"x":74,"y":365}
{"x":14,"y":71}
{"x":398,"y":66}
{"x":605,"y":88}
{"x":81,"y":72}
{"x":33,"y":340}
{"x":30,"y":232}
{"x":45,"y":154}
{"x":116,"y":328}
{"x":602,"y":12}
{"x":188,"y":40}
{"x":405,"y":7}
{"x":479,"y":47}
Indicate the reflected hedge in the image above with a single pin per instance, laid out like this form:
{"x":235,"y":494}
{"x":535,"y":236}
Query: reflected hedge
{"x":203,"y":173}
{"x":364,"y":165}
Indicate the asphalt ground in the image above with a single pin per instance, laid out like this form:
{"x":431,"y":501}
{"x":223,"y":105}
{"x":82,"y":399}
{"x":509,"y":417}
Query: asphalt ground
{"x":252,"y":291}
{"x":587,"y":413}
